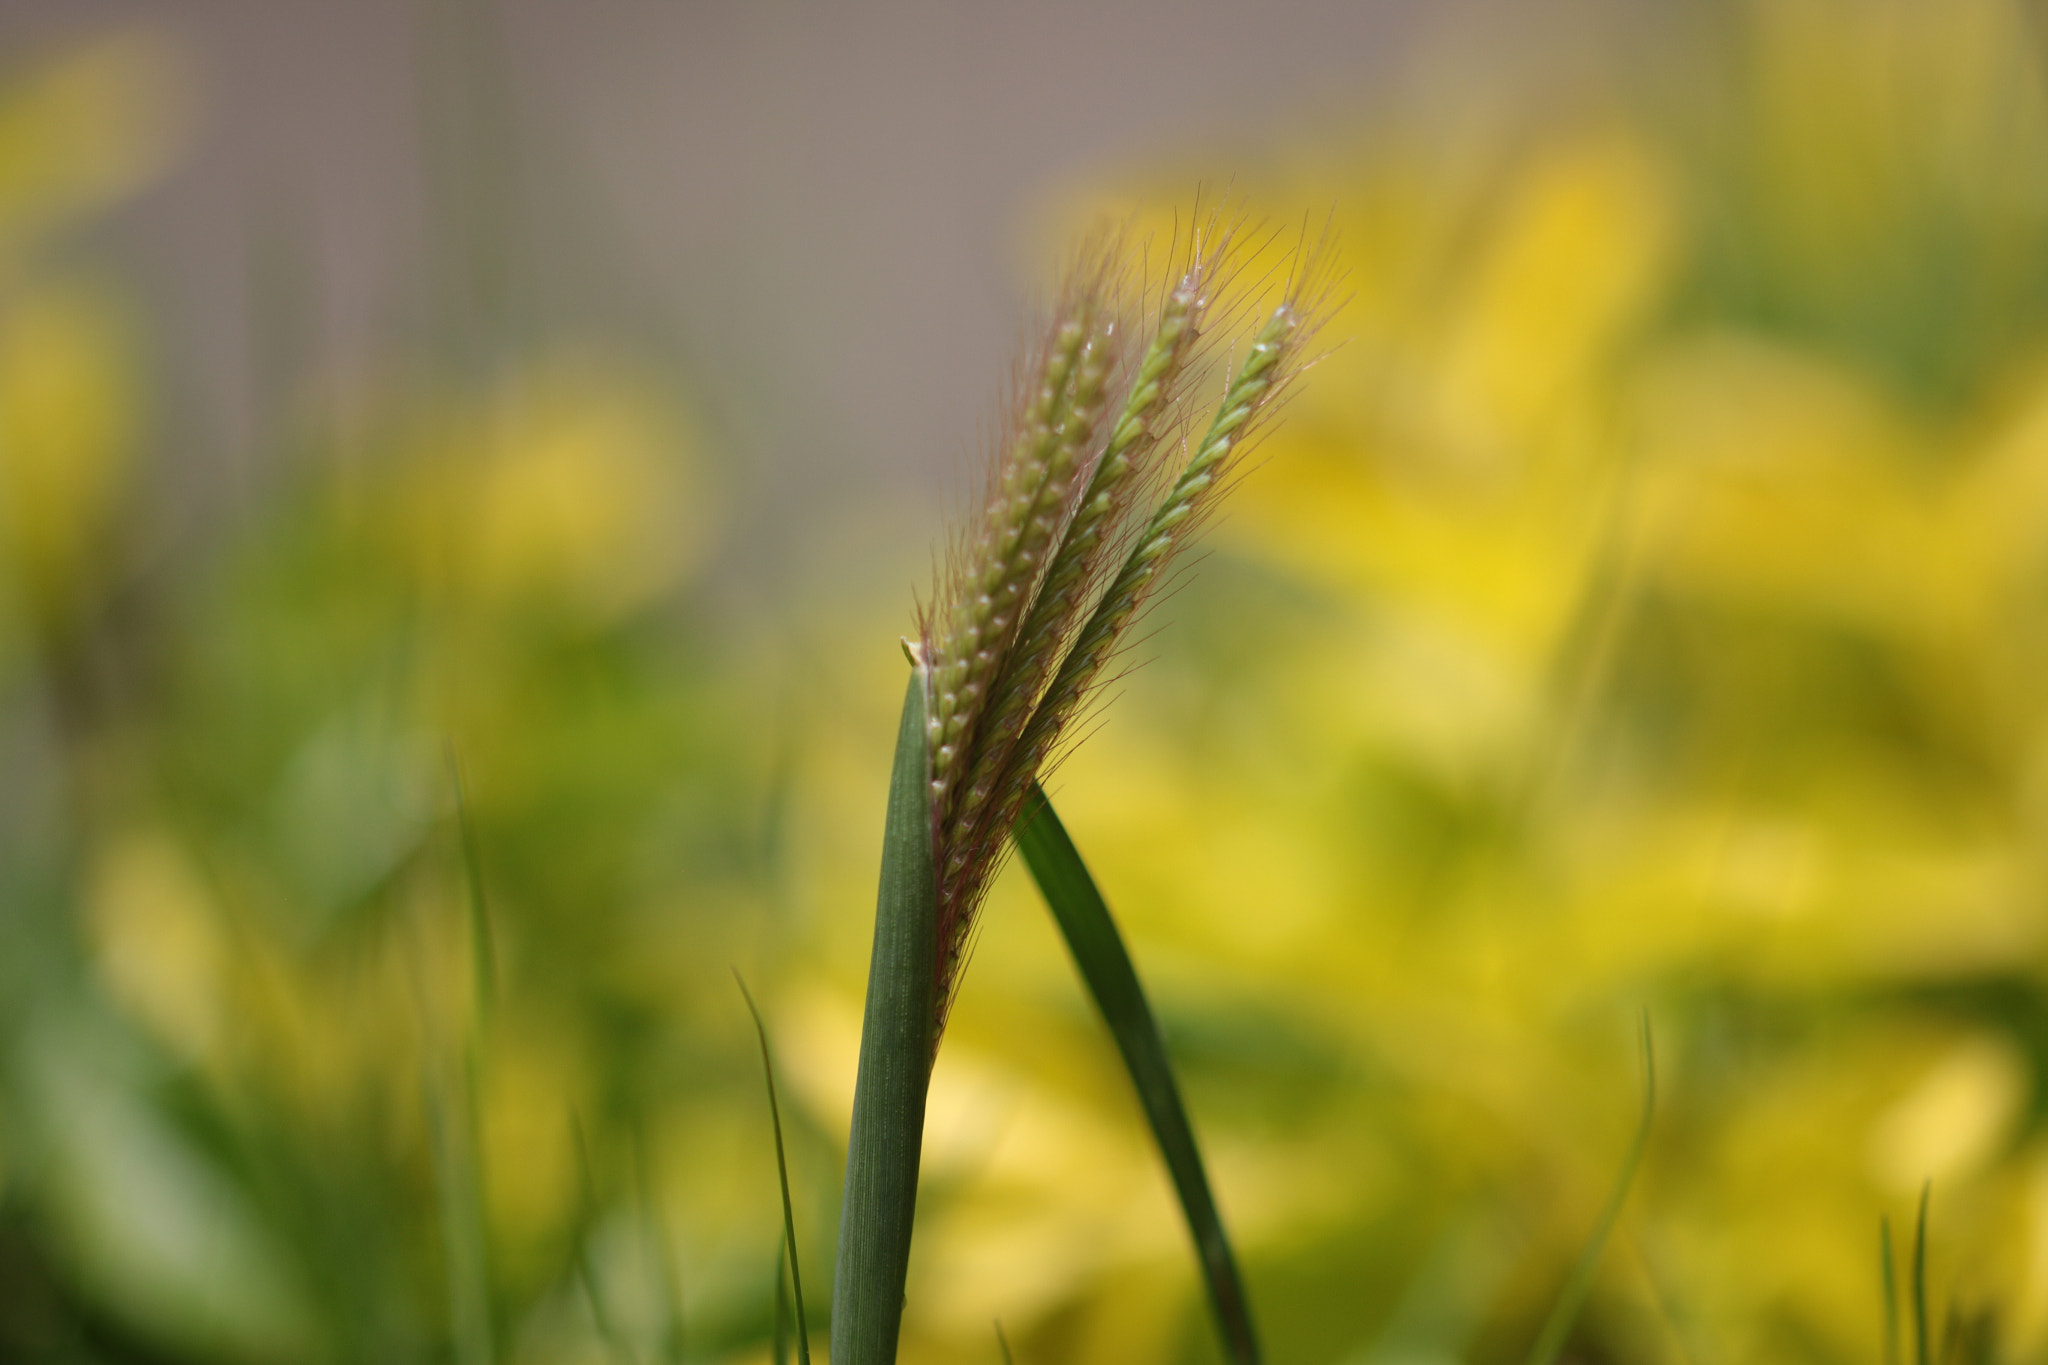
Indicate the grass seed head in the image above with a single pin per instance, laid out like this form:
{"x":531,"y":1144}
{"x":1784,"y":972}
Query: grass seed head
{"x":1033,"y":606}
{"x":995,"y":575}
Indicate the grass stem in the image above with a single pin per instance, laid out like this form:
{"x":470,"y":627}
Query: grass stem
{"x":1564,"y":1313}
{"x":796,"y":1279}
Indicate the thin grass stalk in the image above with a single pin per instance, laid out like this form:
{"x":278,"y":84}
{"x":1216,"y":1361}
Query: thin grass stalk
{"x":796,"y":1278}
{"x":1578,"y":1284}
{"x":1921,"y":1354}
{"x":1891,"y":1291}
{"x":452,"y":1122}
{"x":661,"y":1259}
{"x":608,"y":1331}
{"x":896,"y":1044}
{"x":453,"y":1117}
{"x":483,"y":939}
{"x":779,"y":1323}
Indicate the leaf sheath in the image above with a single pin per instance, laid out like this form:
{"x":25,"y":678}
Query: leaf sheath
{"x":895,"y":1064}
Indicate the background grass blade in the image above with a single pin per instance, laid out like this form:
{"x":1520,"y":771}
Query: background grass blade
{"x":796,"y":1279}
{"x":1106,"y":968}
{"x":451,"y":1124}
{"x":1921,"y":1354}
{"x":1891,"y":1291}
{"x":1579,"y":1283}
{"x":661,"y":1258}
{"x":483,"y":942}
{"x":453,"y":1115}
{"x":887,"y":1136}
{"x":780,"y":1341}
{"x":615,"y":1344}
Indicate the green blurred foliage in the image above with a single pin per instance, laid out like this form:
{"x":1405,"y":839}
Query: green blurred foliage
{"x":1641,"y":608}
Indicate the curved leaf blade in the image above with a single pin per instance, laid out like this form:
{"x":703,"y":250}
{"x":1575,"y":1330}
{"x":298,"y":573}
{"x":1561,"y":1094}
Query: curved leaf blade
{"x":1105,"y":965}
{"x":1579,"y":1283}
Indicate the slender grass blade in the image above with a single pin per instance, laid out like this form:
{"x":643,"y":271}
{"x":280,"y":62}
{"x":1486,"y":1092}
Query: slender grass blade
{"x":661,"y":1258}
{"x":1891,"y":1291}
{"x":453,"y":1120}
{"x":1579,"y":1283}
{"x":887,"y":1133}
{"x":796,"y":1281}
{"x":483,"y":945}
{"x":780,"y":1345}
{"x":615,"y":1343}
{"x":1921,"y":1354}
{"x":1105,"y":966}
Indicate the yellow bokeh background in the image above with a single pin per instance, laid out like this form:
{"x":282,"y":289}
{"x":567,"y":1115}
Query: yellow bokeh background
{"x":1639,"y":614}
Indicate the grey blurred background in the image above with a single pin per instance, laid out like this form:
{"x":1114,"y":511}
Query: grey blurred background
{"x":831,"y":215}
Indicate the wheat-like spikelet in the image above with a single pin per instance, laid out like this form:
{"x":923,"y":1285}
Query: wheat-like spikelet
{"x":995,"y":576}
{"x":1034,"y":608}
{"x":1082,"y":556}
{"x":1117,"y":472}
{"x":1255,"y":386}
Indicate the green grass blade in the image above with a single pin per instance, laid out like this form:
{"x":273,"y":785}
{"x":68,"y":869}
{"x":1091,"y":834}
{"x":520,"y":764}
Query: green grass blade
{"x":796,"y":1280}
{"x":895,"y":1065}
{"x":1003,"y":1344}
{"x":1579,"y":1283}
{"x":780,"y":1343}
{"x":464,"y":1237}
{"x":458,"y":1189}
{"x":453,"y":1121}
{"x":1921,"y":1355}
{"x":586,"y":1268}
{"x":483,"y":946}
{"x":1105,"y":966}
{"x":1891,"y":1291}
{"x":661,"y":1257}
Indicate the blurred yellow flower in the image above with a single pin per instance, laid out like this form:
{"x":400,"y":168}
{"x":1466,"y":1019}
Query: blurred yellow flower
{"x":1955,"y":1119}
{"x":85,"y":128}
{"x":158,"y":937}
{"x":572,"y":484}
{"x":68,"y":426}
